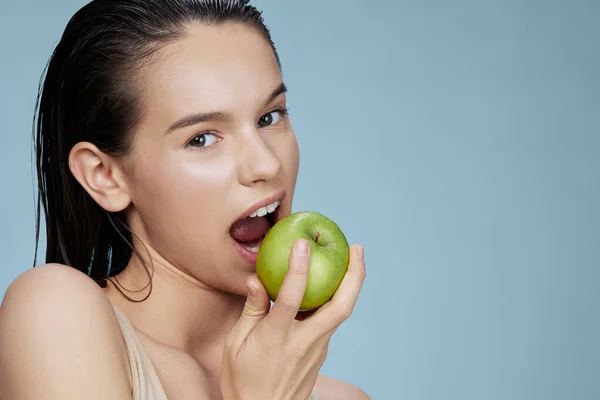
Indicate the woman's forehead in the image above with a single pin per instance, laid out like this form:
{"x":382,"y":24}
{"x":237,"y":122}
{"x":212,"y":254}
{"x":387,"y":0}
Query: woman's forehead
{"x":212,"y":68}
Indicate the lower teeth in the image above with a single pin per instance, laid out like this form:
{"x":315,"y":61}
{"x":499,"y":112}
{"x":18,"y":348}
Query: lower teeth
{"x":253,"y":245}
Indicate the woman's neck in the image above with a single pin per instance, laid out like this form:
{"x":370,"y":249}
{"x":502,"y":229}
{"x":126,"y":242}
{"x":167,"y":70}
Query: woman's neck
{"x":179,"y":311}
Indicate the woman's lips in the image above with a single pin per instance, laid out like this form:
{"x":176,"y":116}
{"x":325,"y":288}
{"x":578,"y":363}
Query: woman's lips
{"x":247,"y":254}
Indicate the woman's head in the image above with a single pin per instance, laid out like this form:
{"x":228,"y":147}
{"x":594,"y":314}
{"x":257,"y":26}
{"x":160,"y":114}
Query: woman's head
{"x":166,"y":119}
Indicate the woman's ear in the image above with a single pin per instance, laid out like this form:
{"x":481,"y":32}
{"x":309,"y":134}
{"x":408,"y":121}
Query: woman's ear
{"x":100,"y":175}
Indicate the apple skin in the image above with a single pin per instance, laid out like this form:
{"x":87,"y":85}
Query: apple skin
{"x":329,"y":256}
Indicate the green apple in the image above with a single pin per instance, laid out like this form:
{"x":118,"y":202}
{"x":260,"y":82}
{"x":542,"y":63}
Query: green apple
{"x":329,"y":256}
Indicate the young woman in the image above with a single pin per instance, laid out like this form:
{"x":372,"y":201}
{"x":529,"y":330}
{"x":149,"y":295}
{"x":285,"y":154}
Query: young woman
{"x":161,"y":128}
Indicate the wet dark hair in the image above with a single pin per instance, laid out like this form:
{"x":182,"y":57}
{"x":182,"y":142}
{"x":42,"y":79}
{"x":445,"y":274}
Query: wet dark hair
{"x":89,"y":94}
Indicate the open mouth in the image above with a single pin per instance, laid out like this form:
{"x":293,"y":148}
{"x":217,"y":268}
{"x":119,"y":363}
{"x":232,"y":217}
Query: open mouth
{"x":250,"y":231}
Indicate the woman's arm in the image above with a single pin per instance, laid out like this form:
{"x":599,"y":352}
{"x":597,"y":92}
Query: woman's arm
{"x":59,"y":339}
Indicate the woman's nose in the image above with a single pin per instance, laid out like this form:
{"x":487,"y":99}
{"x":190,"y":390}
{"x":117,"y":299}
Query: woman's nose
{"x":258,"y":162}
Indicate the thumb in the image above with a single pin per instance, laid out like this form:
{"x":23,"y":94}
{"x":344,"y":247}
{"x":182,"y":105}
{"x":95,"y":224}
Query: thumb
{"x":255,"y":309}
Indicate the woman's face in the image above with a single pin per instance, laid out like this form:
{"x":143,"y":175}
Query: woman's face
{"x":213,"y":145}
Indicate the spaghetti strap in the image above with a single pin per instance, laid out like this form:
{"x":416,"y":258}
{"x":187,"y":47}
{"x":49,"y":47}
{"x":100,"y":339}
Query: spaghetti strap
{"x":145,"y":382}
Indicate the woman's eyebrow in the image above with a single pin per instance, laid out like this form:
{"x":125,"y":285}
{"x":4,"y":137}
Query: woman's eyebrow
{"x":279,"y":90}
{"x":198,"y":118}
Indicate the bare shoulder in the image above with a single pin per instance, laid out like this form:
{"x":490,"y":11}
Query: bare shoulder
{"x":60,"y":339}
{"x":55,"y":295}
{"x":334,"y":389}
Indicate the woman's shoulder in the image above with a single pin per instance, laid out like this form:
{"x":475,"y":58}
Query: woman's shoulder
{"x":58,"y":332}
{"x":54,"y":293}
{"x":334,"y":389}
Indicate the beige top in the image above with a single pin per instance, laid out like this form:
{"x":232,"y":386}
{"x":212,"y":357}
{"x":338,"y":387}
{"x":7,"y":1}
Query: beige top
{"x":146,"y":384}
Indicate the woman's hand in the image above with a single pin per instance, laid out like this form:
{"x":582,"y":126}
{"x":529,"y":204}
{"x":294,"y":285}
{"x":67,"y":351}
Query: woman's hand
{"x":269,"y":355}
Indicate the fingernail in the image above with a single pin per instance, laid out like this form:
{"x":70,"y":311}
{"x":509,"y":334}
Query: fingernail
{"x":361,"y":252}
{"x":301,"y":247}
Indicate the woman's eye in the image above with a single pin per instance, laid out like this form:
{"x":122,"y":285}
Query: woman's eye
{"x":203,"y":140}
{"x":270,"y":118}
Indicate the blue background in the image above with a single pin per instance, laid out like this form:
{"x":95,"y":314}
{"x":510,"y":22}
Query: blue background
{"x":458,"y":141}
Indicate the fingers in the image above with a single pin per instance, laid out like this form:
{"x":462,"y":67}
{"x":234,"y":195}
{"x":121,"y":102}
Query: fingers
{"x":327,"y":318}
{"x":285,"y":312}
{"x":256,"y":307}
{"x":291,"y":293}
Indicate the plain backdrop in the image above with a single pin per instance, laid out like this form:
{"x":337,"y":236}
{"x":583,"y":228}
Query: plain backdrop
{"x":458,"y":141}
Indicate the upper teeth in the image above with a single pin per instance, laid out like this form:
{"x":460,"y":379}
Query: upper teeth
{"x":261,"y":212}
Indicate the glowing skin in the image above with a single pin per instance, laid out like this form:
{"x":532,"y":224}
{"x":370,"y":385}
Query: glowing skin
{"x":185,"y":197}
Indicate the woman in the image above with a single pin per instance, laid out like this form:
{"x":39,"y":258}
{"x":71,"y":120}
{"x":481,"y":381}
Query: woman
{"x":161,"y":128}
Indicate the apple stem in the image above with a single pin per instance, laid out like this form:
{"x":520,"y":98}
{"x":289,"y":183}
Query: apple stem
{"x":316,"y":237}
